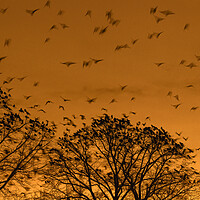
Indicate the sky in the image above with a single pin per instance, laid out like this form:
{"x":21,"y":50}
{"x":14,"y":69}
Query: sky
{"x":28,"y":55}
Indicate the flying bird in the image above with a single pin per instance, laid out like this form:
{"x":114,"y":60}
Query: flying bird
{"x":151,"y":35}
{"x":42,"y":110}
{"x":158,"y":19}
{"x":48,"y":4}
{"x":169,"y":93}
{"x":186,"y":27}
{"x":191,"y":65}
{"x":132,"y":98}
{"x":177,"y":97}
{"x":194,"y":108}
{"x":103,"y":30}
{"x":2,"y":58}
{"x":87,"y":63}
{"x":106,"y":110}
{"x":61,"y":107}
{"x":114,"y":22}
{"x":153,"y":10}
{"x":32,"y":12}
{"x":158,"y":34}
{"x":64,"y":26}
{"x":123,"y":87}
{"x":179,"y":134}
{"x":35,"y":84}
{"x":96,"y":29}
{"x":197,"y":57}
{"x":176,"y":106}
{"x":53,"y":27}
{"x":159,"y":64}
{"x":134,"y":41}
{"x":89,"y":13}
{"x":21,"y":78}
{"x":133,"y":113}
{"x":61,"y":12}
{"x":82,"y":117}
{"x":91,"y":100}
{"x":47,"y":40}
{"x":47,"y":102}
{"x":113,"y":101}
{"x":167,"y":12}
{"x":68,"y":63}
{"x":185,"y":138}
{"x":118,"y":47}
{"x":109,"y":14}
{"x":64,"y":99}
{"x":182,"y":62}
{"x":7,"y":42}
{"x":27,"y":97}
{"x":189,"y":86}
{"x":96,"y":60}
{"x":3,"y":10}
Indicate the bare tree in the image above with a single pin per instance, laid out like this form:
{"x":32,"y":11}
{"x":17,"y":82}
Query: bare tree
{"x":112,"y":159}
{"x":23,"y":141}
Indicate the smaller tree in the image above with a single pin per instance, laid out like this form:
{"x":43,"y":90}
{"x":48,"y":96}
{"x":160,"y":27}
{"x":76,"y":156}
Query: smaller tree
{"x":23,"y":141}
{"x":112,"y":159}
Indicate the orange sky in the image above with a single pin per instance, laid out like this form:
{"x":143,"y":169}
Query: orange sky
{"x":28,"y":55}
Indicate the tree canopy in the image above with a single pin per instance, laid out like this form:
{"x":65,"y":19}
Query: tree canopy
{"x":23,"y":141}
{"x":113,"y":159}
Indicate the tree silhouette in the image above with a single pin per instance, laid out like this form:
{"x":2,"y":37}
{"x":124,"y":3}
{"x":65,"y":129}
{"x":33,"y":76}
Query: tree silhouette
{"x":23,"y":141}
{"x":112,"y":159}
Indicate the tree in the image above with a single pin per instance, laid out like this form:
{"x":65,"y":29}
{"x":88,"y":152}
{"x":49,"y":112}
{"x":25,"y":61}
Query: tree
{"x":23,"y":141}
{"x":112,"y":159}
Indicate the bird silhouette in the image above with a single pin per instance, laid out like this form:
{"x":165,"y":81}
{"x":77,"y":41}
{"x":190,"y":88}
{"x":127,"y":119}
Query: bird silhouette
{"x":169,"y":93}
{"x":191,"y":65}
{"x":53,"y":27}
{"x":197,"y":57}
{"x":134,"y":41}
{"x":82,"y":117}
{"x":132,"y":98}
{"x":109,"y":14}
{"x":153,"y":10}
{"x":35,"y":84}
{"x":91,"y":100}
{"x":64,"y":99}
{"x":158,"y":19}
{"x":122,"y":87}
{"x":167,"y":12}
{"x":133,"y":113}
{"x":7,"y":42}
{"x":61,"y":12}
{"x":194,"y":108}
{"x":64,"y":25}
{"x":159,"y":64}
{"x":3,"y":10}
{"x":179,"y":134}
{"x":151,"y":35}
{"x":114,"y":22}
{"x":186,"y":27}
{"x":32,"y":12}
{"x":103,"y":30}
{"x":118,"y":47}
{"x":189,"y":86}
{"x":68,"y":63}
{"x":182,"y":62}
{"x":2,"y":58}
{"x":21,"y":78}
{"x":89,"y":13}
{"x":185,"y":138}
{"x":27,"y":97}
{"x":177,"y":97}
{"x":47,"y":40}
{"x":61,"y":107}
{"x":96,"y":29}
{"x":47,"y":102}
{"x":176,"y":105}
{"x":96,"y":60}
{"x":48,"y":4}
{"x":113,"y":101}
{"x":104,"y":109}
{"x":158,"y":34}
{"x":87,"y":63}
{"x":42,"y":110}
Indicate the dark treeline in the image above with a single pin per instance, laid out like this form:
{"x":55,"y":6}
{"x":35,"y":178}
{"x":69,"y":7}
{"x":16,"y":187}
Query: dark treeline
{"x":108,"y":159}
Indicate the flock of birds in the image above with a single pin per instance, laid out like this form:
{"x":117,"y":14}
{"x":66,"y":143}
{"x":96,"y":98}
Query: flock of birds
{"x":158,"y":15}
